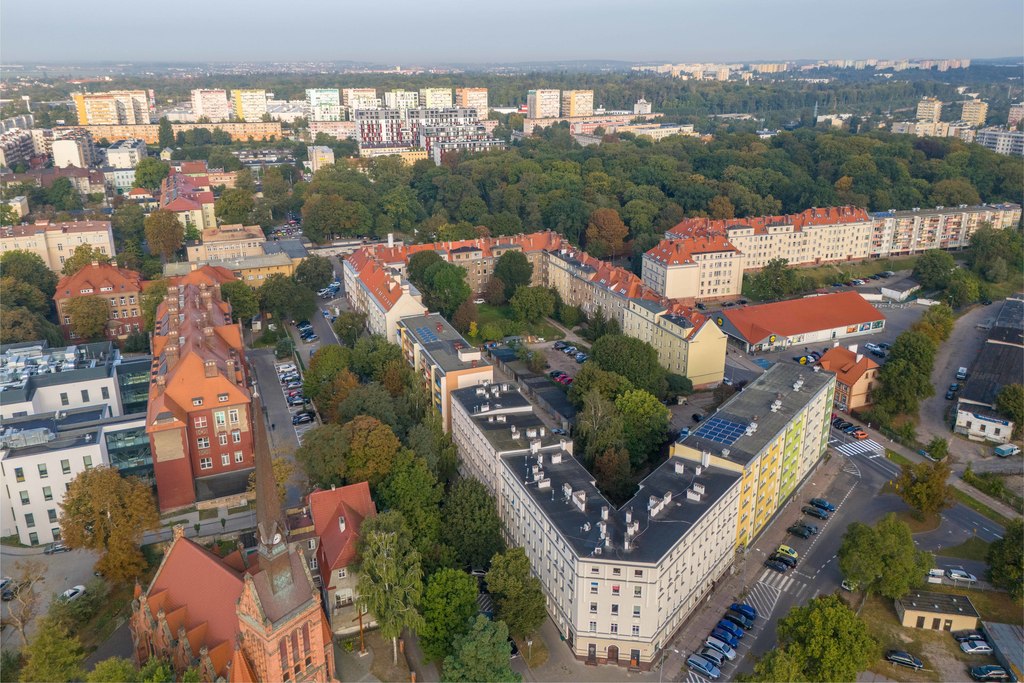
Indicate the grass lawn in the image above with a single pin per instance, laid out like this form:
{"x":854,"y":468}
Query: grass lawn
{"x":503,"y":315}
{"x":971,"y":549}
{"x":979,"y":507}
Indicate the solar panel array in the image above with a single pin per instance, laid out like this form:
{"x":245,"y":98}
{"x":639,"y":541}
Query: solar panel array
{"x":426,"y":334}
{"x":721,"y":431}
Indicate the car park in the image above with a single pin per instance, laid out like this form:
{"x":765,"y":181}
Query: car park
{"x":823,"y":504}
{"x":721,"y":646}
{"x":703,"y":666}
{"x":726,"y":637}
{"x":968,"y":634}
{"x":799,"y":531}
{"x":814,"y":512}
{"x":902,"y":658}
{"x":976,"y":647}
{"x":729,"y":627}
{"x":776,"y":566}
{"x":744,"y":609}
{"x":989,"y":672}
{"x":72,"y":594}
{"x":960,"y":575}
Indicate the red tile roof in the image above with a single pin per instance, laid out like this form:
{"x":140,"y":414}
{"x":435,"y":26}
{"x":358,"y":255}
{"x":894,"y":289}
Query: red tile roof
{"x":353,"y":503}
{"x":845,"y":364}
{"x":679,"y":251}
{"x":811,"y":217}
{"x":801,"y":316}
{"x":98,"y":277}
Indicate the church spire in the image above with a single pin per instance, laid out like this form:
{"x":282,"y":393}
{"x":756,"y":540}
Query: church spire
{"x":270,"y":527}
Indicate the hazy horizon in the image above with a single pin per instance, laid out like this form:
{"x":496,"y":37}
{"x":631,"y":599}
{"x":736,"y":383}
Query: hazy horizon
{"x":446,"y":31}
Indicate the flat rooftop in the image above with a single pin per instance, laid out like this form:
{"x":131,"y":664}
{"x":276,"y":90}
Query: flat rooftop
{"x":938,"y":603}
{"x":449,"y":350}
{"x":729,"y":427}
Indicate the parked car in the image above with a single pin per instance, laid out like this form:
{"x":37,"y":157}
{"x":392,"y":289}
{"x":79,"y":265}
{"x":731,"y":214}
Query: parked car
{"x":72,"y":593}
{"x":968,"y":634}
{"x":56,"y":547}
{"x":726,"y":637}
{"x":799,"y":531}
{"x":721,"y":646}
{"x":902,"y":658}
{"x":814,"y":512}
{"x":976,"y":647}
{"x":989,"y":672}
{"x":823,"y":504}
{"x":776,"y":566}
{"x":703,"y":666}
{"x":743,"y":608}
{"x":960,"y":575}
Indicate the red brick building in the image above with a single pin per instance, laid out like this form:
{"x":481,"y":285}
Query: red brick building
{"x":249,"y":616}
{"x":120,"y":286}
{"x":199,"y":416}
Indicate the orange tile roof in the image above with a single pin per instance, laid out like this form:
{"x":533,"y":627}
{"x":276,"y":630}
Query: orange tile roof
{"x":353,"y":503}
{"x":96,"y":277}
{"x":679,"y":251}
{"x":845,"y":364}
{"x":801,"y":316}
{"x":811,"y":217}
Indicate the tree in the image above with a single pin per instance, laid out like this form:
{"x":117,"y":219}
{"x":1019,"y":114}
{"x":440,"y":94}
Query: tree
{"x":634,"y":359}
{"x":164,"y":233}
{"x":284,"y":469}
{"x":284,"y":298}
{"x":477,"y":536}
{"x":53,"y":655}
{"x":18,"y":294}
{"x":89,"y":316}
{"x":933,"y":268}
{"x":107,"y":512}
{"x":924,"y":487}
{"x":322,"y":455}
{"x":824,"y":640}
{"x":244,"y":304}
{"x":234,"y":206}
{"x":128,"y":222}
{"x":112,"y":670}
{"x":609,"y":384}
{"x":29,"y":268}
{"x":445,"y":288}
{"x":419,"y":264}
{"x":531,"y":304}
{"x":1010,"y":402}
{"x":645,"y":424}
{"x":150,"y":172}
{"x":390,"y":578}
{"x":22,"y":608}
{"x":372,"y":448}
{"x":598,"y":425}
{"x":517,"y":592}
{"x":883,"y":559}
{"x":449,"y":603}
{"x":152,"y":294}
{"x":613,"y":474}
{"x":83,"y":255}
{"x":494,"y":291}
{"x":481,"y":654}
{"x":465,"y":315}
{"x":1006,"y":560}
{"x":606,"y":233}
{"x":315,"y":272}
{"x":514,"y":270}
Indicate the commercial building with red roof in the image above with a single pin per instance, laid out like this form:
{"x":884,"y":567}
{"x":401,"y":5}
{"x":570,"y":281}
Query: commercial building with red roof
{"x":120,"y":287}
{"x":811,"y":320}
{"x":856,"y":376}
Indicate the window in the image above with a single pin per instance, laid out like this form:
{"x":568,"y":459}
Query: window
{"x":43,"y":474}
{"x":65,"y":466}
{"x":88,"y":461}
{"x":105,"y":393}
{"x":218,"y":418}
{"x":233,"y":415}
{"x":205,"y":463}
{"x":24,"y":497}
{"x":236,"y":436}
{"x":47,"y":493}
{"x":593,"y":608}
{"x":239,"y":457}
{"x":203,"y":442}
{"x":222,"y":439}
{"x":200,"y":422}
{"x":33,"y":538}
{"x":636,"y":611}
{"x":64,"y":399}
{"x":19,"y":474}
{"x":636,"y":630}
{"x":593,"y":626}
{"x":225,"y":459}
{"x":52,"y":515}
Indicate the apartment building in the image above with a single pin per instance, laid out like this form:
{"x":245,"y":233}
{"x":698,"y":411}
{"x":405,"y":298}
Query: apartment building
{"x":577,"y":103}
{"x":1009,"y":142}
{"x":211,"y":105}
{"x":227,"y":242}
{"x":41,"y":454}
{"x":382,"y":294}
{"x":117,"y":107}
{"x":199,"y":420}
{"x":323,"y":104}
{"x":126,"y":153}
{"x":772,"y":434}
{"x":191,"y":202}
{"x":472,"y":98}
{"x":436,"y":98}
{"x":856,"y":376}
{"x":319,"y":156}
{"x":16,"y":147}
{"x":543,"y":104}
{"x":442,"y":359}
{"x":120,"y":286}
{"x":54,"y":242}
{"x":698,"y":268}
{"x":249,"y":104}
{"x":618,"y":583}
{"x":901,"y":233}
{"x":974,"y":112}
{"x":401,"y":99}
{"x":353,"y":99}
{"x":929,"y":110}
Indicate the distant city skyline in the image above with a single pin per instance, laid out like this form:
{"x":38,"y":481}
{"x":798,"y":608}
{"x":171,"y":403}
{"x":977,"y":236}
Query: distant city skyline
{"x":443,"y":31}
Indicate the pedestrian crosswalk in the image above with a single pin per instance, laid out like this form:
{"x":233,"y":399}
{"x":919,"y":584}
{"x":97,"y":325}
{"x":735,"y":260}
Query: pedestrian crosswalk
{"x":868,"y":447}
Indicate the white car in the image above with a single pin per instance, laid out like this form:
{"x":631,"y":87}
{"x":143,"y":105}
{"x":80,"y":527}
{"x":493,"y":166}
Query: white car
{"x":976,"y":647}
{"x":960,"y":575}
{"x":72,"y":593}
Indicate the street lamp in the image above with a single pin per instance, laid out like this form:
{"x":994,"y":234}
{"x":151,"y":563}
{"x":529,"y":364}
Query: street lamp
{"x":661,"y":669}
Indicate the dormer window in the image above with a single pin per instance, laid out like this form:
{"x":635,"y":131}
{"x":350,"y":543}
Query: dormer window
{"x":197,"y":401}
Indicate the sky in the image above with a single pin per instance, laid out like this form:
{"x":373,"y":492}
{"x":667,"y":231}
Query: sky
{"x":418,"y":32}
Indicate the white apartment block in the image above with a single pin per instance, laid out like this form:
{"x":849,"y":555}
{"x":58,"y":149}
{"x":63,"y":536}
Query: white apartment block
{"x":436,"y":98}
{"x":401,"y":99}
{"x":901,"y":233}
{"x":249,"y":105}
{"x":211,"y":105}
{"x":577,"y":103}
{"x":54,"y":242}
{"x":126,"y":153}
{"x":323,"y":104}
{"x":618,"y":582}
{"x":543,"y":104}
{"x":472,"y":98}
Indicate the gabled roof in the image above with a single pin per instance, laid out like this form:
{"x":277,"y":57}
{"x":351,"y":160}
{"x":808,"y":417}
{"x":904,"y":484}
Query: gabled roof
{"x":353,"y":503}
{"x":801,"y":316}
{"x":846,"y":364}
